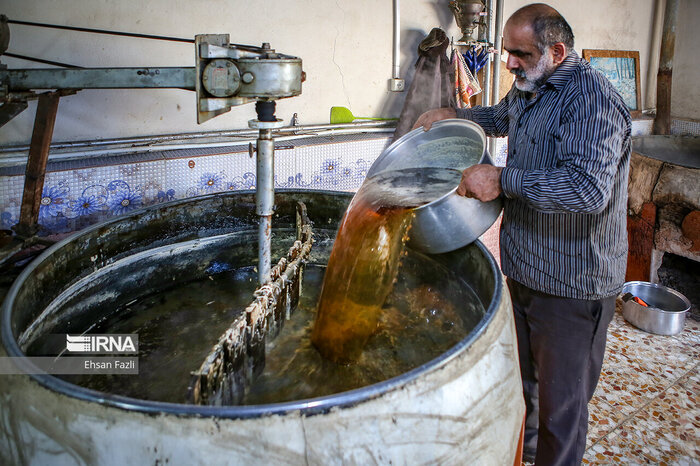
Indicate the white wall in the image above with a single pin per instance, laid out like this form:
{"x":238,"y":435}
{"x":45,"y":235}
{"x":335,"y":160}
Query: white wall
{"x":607,"y":25}
{"x":346,"y":47}
{"x":685,"y":91}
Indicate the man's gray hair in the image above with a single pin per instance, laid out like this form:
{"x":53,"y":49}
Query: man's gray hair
{"x":550,"y":29}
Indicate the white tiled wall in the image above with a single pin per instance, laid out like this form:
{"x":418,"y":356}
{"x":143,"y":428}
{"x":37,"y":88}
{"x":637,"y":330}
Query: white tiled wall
{"x":77,"y":197}
{"x":685,"y":127}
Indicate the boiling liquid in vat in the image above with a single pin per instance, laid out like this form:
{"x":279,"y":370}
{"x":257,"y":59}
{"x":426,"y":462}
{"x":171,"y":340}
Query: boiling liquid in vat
{"x":422,"y":318}
{"x":366,"y":254}
{"x":176,"y":328}
{"x":428,"y":310}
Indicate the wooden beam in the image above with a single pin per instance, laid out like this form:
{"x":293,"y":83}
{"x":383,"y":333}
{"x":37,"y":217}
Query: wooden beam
{"x":640,"y":238}
{"x":36,"y":163}
{"x":9,"y":110}
{"x":662,"y":122}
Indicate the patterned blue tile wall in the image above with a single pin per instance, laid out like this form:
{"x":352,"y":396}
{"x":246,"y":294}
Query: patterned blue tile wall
{"x":83,"y":192}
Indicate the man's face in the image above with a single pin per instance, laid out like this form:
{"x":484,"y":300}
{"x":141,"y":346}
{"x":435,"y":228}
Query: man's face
{"x":531,"y":67}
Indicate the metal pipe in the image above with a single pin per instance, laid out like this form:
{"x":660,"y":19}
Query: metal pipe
{"x":497,"y":45}
{"x":485,"y":91}
{"x":662,"y":122}
{"x":654,"y":50}
{"x":485,"y":36}
{"x":397,"y":39}
{"x":496,"y":80}
{"x":265,"y":201}
{"x":100,"y":78}
{"x":20,"y":158}
{"x":297,"y":131}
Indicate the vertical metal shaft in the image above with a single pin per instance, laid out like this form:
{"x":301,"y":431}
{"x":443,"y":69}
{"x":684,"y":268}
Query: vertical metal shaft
{"x":265,"y":201}
{"x":485,"y":34}
{"x":496,"y":79}
{"x":397,"y":39}
{"x":497,"y":44}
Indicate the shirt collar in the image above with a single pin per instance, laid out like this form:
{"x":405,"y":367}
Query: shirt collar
{"x":562,"y":75}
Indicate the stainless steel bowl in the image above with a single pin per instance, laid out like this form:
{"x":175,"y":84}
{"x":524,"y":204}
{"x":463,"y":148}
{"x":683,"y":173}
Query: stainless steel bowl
{"x":450,"y":221}
{"x":665,"y":314}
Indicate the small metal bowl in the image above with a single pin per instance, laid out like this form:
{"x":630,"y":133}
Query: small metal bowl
{"x":451,"y":221}
{"x":665,"y":314}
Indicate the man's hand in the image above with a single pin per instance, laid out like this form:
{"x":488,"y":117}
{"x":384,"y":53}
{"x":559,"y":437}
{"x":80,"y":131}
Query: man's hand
{"x":482,"y":182}
{"x":427,"y":119}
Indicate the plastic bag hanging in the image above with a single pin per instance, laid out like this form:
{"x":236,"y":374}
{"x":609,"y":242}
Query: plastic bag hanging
{"x":432,"y":85}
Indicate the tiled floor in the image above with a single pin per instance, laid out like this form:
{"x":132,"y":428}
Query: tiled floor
{"x":646,"y":409}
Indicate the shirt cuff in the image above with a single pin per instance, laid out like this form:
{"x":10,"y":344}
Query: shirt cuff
{"x":464,"y":113}
{"x":512,"y":182}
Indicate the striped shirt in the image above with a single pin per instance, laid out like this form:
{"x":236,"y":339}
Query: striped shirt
{"x":565,"y":182}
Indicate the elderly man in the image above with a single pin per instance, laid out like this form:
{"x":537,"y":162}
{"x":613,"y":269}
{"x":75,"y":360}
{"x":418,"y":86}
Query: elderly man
{"x":563,"y":233}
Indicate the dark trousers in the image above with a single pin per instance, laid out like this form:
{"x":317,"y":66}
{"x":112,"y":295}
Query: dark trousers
{"x":561,"y":342}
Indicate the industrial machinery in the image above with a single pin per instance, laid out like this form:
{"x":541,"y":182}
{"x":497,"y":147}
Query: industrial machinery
{"x":224,"y":75}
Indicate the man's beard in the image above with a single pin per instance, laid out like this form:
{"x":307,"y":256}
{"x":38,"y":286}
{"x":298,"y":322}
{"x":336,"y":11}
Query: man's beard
{"x":530,"y":81}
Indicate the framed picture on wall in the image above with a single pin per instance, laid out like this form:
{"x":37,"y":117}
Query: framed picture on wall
{"x":621,"y":67}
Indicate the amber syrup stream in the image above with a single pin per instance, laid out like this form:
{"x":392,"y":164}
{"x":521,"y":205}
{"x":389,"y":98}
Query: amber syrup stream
{"x":366,"y":254}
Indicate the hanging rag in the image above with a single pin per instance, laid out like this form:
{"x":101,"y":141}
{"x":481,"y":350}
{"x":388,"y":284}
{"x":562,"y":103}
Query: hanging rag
{"x":466,"y":84}
{"x":433,"y":82}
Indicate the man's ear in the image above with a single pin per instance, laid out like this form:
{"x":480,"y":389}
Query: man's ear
{"x":559,"y":53}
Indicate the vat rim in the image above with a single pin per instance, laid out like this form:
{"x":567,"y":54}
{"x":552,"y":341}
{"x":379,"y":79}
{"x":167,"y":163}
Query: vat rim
{"x":306,"y":407}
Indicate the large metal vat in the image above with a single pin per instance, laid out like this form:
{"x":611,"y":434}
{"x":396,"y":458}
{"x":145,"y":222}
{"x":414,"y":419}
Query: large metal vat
{"x":675,"y":149}
{"x":463,"y":407}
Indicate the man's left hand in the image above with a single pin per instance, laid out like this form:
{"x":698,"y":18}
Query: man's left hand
{"x":482,"y":182}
